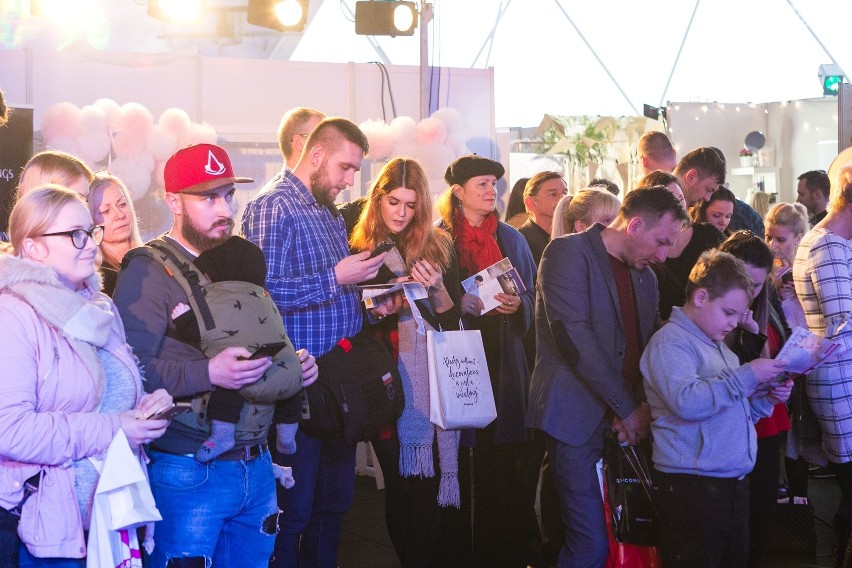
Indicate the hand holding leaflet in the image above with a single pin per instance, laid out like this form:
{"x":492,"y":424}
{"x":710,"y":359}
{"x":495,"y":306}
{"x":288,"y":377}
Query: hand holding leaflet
{"x":805,"y":351}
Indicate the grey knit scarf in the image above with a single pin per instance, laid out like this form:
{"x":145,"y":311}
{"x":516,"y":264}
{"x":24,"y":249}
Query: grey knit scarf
{"x":416,"y":433}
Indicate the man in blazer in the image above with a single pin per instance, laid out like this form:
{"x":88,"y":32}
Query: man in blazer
{"x":596,"y":308}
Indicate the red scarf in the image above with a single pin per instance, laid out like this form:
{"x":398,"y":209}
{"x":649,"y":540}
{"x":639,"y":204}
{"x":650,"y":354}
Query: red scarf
{"x":477,"y":246}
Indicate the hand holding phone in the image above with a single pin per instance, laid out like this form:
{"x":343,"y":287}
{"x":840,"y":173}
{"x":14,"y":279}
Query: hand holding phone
{"x":268,"y":350}
{"x":170,"y":412}
{"x":384,"y":247}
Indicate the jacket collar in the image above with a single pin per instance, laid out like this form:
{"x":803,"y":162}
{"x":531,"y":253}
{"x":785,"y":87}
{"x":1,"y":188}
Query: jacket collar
{"x":79,"y":317}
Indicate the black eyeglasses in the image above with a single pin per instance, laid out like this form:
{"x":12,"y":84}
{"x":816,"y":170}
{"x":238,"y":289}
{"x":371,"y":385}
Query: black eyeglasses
{"x":80,"y":236}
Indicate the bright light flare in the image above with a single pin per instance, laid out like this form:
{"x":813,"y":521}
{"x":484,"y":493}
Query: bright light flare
{"x":403,"y":17}
{"x":289,"y":12}
{"x":180,"y":11}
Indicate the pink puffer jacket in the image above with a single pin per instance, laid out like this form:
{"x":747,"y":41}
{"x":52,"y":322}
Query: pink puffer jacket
{"x":51,"y":383}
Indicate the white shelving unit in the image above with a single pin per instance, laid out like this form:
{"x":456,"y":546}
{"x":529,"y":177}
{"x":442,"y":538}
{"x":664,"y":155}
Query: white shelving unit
{"x":767,"y":175}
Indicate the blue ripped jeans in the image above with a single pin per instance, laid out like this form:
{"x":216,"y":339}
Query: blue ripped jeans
{"x":223,"y":511}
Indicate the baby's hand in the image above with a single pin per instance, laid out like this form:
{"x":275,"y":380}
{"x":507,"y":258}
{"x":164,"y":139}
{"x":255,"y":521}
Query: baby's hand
{"x":179,"y":310}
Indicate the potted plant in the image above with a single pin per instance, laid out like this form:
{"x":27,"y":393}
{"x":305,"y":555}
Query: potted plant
{"x":746,"y":158}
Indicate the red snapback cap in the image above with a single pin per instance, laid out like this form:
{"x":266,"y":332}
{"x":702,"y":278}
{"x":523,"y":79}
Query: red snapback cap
{"x":199,"y":168}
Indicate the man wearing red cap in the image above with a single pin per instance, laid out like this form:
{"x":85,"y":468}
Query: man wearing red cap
{"x":311,"y":276}
{"x":223,"y":512}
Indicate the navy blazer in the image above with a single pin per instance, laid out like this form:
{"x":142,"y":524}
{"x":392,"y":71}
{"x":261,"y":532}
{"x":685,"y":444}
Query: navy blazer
{"x":580,"y":339}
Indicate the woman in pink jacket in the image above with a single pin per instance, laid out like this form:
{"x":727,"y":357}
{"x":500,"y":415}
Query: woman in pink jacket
{"x":68,"y":381}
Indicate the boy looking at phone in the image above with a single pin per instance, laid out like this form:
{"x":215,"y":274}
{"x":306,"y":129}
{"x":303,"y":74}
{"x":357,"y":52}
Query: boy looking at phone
{"x":238,"y":260}
{"x":703,"y":408}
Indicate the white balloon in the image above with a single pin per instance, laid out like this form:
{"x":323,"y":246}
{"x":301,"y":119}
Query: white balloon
{"x":161,"y":143}
{"x":111,"y":110}
{"x":93,"y":119}
{"x":60,"y":121}
{"x":175,"y":121}
{"x":94,"y":146}
{"x":65,"y":144}
{"x":134,"y":175}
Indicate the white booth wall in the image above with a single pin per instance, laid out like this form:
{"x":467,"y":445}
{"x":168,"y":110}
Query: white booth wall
{"x":800,"y":136}
{"x":243,"y":99}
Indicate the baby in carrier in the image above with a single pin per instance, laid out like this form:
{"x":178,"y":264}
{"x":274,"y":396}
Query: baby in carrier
{"x":238,"y":260}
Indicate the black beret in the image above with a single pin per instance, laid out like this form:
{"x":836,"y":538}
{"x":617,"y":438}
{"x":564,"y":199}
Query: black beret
{"x":471,"y":166}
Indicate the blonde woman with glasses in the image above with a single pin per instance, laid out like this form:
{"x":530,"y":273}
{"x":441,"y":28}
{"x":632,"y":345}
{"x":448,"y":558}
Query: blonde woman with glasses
{"x":70,"y":382}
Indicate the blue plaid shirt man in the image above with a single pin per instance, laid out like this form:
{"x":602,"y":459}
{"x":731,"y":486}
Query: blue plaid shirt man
{"x":303,"y":241}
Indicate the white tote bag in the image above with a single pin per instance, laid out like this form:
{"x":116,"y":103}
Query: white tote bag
{"x":460,"y":394}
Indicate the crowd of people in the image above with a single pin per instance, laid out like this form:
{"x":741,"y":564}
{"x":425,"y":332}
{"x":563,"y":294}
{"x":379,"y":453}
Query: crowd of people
{"x":656,"y":316}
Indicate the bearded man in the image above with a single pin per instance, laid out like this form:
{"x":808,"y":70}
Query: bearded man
{"x":311,"y":277}
{"x":223,"y":512}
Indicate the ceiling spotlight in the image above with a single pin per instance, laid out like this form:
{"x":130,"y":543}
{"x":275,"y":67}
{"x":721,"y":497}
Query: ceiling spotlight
{"x":830,"y":75}
{"x":384,"y":17}
{"x":176,"y":11}
{"x":281,"y":15}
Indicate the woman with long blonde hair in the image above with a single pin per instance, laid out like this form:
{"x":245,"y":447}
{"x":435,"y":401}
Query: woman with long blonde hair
{"x":420,"y":482}
{"x":110,"y":205}
{"x":576,"y":213}
{"x":54,"y":166}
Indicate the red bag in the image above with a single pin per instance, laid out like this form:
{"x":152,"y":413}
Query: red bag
{"x":627,"y":555}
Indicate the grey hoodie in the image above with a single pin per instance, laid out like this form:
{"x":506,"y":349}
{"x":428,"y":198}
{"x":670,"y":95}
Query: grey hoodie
{"x":703,"y":415}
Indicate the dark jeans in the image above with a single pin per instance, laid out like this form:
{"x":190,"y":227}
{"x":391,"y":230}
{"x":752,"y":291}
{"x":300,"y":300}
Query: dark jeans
{"x":423,"y":533}
{"x":763,"y":497}
{"x":501,"y":510}
{"x":312,"y":510}
{"x":9,"y":541}
{"x":703,"y":520}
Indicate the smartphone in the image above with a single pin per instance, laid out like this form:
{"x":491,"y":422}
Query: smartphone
{"x":268,"y":350}
{"x":384,"y":247}
{"x":787,"y":277}
{"x":170,"y":411}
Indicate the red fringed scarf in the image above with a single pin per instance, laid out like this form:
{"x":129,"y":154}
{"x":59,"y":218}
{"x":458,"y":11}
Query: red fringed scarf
{"x":477,"y":246}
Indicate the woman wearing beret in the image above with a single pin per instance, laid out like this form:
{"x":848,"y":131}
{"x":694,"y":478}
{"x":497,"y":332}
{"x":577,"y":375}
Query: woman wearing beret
{"x":501,"y":515}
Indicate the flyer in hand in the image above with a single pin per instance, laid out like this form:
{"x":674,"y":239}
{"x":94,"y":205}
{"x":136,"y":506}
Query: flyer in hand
{"x":375,"y":294}
{"x":499,"y":277}
{"x":805,"y":351}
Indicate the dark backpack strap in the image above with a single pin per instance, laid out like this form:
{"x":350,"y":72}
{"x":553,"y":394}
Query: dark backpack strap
{"x":193,"y":281}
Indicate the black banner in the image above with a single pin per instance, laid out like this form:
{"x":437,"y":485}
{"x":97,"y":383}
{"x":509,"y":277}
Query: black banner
{"x":16,"y":147}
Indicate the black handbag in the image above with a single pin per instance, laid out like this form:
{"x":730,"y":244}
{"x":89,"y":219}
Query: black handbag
{"x":358,"y":391}
{"x":794,"y":531}
{"x":630,"y":492}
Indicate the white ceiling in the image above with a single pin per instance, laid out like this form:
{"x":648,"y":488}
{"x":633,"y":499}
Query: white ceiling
{"x":736,"y":50}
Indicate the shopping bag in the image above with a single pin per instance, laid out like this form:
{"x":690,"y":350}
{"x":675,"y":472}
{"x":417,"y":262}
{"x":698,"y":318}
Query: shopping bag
{"x":623,"y":555}
{"x":630,"y":491}
{"x":460,"y":394}
{"x":123,"y":501}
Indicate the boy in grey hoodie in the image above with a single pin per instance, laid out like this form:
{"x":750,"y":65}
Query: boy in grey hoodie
{"x":703,"y":408}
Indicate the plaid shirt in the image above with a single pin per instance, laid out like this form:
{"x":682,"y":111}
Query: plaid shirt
{"x":822,"y":274}
{"x":303,"y":241}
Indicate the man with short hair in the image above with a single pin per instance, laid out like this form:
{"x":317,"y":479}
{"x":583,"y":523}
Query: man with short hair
{"x":812,"y":192}
{"x":596,"y":309}
{"x":295,"y":127}
{"x":311,"y":277}
{"x":541,"y":194}
{"x":701,"y":172}
{"x":656,"y":153}
{"x":225,"y":512}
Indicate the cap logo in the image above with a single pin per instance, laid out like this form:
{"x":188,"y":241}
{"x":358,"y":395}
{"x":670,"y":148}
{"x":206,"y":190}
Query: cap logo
{"x":214,"y":167}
